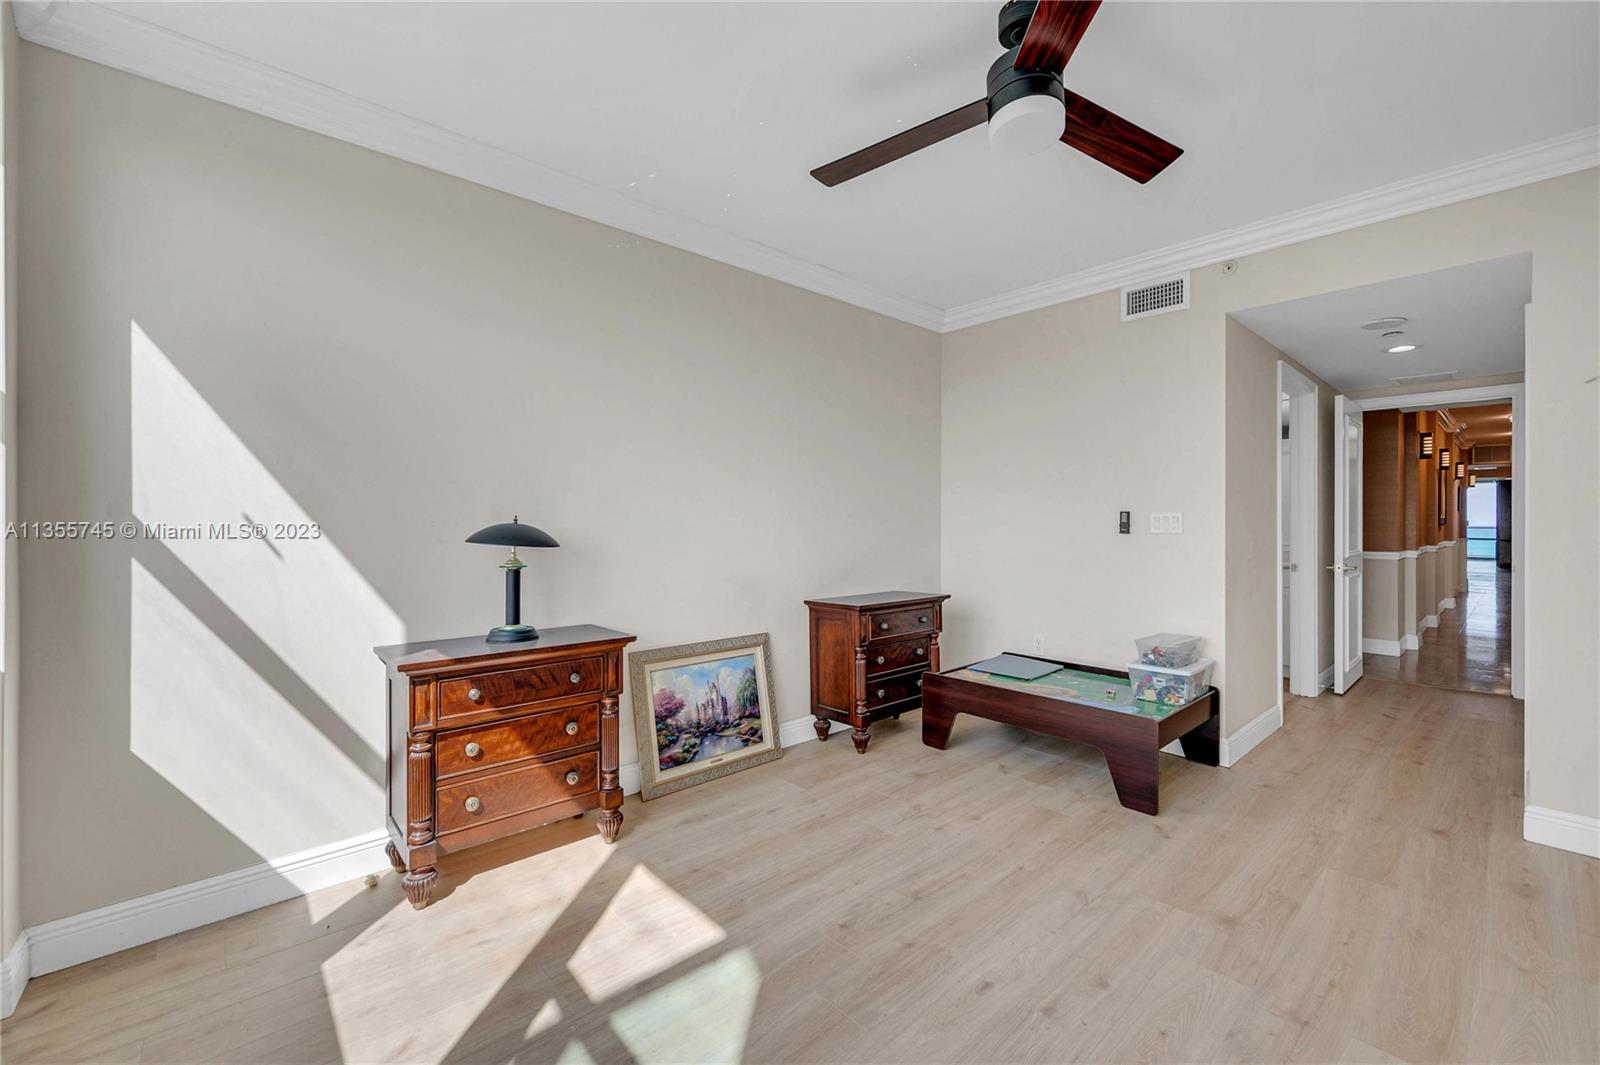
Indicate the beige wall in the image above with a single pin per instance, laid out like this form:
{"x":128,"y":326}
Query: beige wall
{"x":1053,"y":422}
{"x":10,"y":674}
{"x":1071,"y":394}
{"x":1251,"y":559}
{"x":225,"y":314}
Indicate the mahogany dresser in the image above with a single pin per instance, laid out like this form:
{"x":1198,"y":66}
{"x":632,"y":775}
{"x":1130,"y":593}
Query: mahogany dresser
{"x":868,"y":654}
{"x":488,"y":739}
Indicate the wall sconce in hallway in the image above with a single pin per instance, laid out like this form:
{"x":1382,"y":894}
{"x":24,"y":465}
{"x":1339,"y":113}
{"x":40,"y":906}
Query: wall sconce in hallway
{"x":1427,"y":445}
{"x":1461,"y":470}
{"x":1472,"y":480}
{"x":1444,"y":458}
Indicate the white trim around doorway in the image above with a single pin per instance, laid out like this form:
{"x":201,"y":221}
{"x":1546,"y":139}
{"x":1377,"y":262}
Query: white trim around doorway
{"x":1304,"y":441}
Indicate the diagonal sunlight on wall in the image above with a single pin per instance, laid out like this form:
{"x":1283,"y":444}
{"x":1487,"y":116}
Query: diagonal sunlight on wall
{"x":702,"y":1016}
{"x":206,"y":721}
{"x":646,"y":929}
{"x":505,"y":912}
{"x":301,"y":597}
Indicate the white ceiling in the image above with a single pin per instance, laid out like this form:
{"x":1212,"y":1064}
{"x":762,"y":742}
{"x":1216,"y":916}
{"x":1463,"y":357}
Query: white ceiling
{"x":698,"y":123}
{"x":1468,"y":319}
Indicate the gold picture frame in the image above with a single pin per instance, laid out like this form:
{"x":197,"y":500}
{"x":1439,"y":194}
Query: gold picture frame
{"x":701,"y":711}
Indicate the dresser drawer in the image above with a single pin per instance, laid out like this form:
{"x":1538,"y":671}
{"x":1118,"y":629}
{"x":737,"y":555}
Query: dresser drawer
{"x":514,"y":791}
{"x":507,"y":689}
{"x":887,"y":624}
{"x":466,"y":749}
{"x":888,"y":657}
{"x":886,"y":690}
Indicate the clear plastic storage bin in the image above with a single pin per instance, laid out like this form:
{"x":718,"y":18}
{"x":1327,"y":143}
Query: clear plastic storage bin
{"x":1170,"y":686}
{"x":1172,"y":650}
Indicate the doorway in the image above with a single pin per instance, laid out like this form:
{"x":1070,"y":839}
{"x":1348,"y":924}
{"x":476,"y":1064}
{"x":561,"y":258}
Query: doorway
{"x":1460,"y":635}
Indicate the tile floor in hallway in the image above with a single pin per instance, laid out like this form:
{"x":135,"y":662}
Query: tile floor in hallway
{"x":1471,"y":648}
{"x":1357,"y":889}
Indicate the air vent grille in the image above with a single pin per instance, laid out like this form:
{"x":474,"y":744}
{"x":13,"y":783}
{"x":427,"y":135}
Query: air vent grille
{"x":1419,"y":378}
{"x":1156,"y":297}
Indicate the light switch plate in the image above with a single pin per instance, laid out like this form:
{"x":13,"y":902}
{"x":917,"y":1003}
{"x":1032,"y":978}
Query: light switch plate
{"x":1166,"y":522}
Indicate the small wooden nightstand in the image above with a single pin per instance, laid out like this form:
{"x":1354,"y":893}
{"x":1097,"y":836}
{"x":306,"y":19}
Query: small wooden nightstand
{"x":868,"y":654}
{"x":489,"y":739}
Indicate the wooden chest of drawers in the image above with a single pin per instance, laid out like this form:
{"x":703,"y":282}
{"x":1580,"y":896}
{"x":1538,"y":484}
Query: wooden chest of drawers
{"x":868,"y":654}
{"x":488,"y":739}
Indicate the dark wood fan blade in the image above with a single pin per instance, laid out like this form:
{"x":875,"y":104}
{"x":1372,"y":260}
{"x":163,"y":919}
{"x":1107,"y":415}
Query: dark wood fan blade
{"x":902,"y":144}
{"x":1115,"y":141}
{"x":1053,"y":34}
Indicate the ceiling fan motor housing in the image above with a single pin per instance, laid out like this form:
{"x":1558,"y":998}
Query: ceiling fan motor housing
{"x":1007,"y":83}
{"x":1014,"y":18}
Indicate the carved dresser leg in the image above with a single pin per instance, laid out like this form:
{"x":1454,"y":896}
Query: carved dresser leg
{"x":419,"y":886}
{"x":395,"y":860}
{"x":821,"y":725}
{"x":859,"y":718}
{"x":609,"y":819}
{"x":418,"y":882}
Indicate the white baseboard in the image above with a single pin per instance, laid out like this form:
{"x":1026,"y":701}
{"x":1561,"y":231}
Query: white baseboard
{"x":1411,"y":641}
{"x":1430,"y":622}
{"x":802,"y":729}
{"x":14,"y":974}
{"x":82,"y":937}
{"x":1448,"y":603}
{"x":1556,"y":828}
{"x":1325,"y":679}
{"x":1248,"y":738}
{"x":1370,"y":646}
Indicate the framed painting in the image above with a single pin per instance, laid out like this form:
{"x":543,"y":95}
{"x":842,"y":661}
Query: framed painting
{"x":702,"y":711}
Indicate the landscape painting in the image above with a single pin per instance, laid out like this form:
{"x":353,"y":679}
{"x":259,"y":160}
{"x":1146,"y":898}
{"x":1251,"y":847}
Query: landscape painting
{"x":701,"y":711}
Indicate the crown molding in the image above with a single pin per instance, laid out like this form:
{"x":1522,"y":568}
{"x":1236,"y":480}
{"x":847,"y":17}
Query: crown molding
{"x":1495,"y":173}
{"x":114,"y":38}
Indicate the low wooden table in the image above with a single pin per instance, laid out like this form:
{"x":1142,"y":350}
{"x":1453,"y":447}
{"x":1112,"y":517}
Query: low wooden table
{"x":1131,"y":738}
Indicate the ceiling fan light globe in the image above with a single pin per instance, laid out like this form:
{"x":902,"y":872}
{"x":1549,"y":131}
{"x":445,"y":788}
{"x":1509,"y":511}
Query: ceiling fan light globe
{"x":1027,"y":126}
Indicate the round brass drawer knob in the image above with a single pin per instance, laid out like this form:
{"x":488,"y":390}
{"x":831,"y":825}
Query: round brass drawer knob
{"x":572,"y":777}
{"x":575,"y":677}
{"x":922,"y":619}
{"x":881,"y":693}
{"x":572,"y":728}
{"x":922,"y":650}
{"x":474,"y":694}
{"x":880,"y":660}
{"x":473,"y":750}
{"x":919,"y":682}
{"x":474,"y":804}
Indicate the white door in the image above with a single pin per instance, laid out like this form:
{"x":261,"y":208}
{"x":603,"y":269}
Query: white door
{"x":1347,"y":556}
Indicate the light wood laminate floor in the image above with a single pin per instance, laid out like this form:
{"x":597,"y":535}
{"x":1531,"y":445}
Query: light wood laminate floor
{"x":1471,"y":648}
{"x":1356,"y":890}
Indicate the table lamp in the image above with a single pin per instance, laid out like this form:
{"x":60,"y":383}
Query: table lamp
{"x":513,"y":534}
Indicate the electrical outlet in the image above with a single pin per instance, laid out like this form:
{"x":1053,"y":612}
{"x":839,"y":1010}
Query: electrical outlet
{"x":1038,"y":643}
{"x":1166,"y":522}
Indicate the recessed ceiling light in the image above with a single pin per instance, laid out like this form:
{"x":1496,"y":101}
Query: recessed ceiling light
{"x":1401,"y":349}
{"x":1386,"y":323}
{"x":1395,"y":333}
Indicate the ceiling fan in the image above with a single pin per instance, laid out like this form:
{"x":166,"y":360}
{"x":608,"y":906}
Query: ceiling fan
{"x":1027,"y":108}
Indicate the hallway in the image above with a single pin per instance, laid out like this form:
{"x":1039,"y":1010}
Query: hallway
{"x":1471,"y":648}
